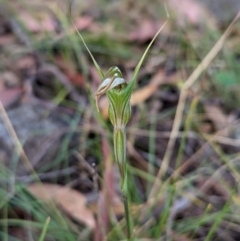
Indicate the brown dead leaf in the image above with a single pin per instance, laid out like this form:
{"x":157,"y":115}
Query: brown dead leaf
{"x":44,"y":22}
{"x":71,"y":201}
{"x":6,"y":39}
{"x":117,"y":207}
{"x":73,"y":76}
{"x":10,"y":79}
{"x":83,"y":22}
{"x":48,"y":24}
{"x":216,"y":115}
{"x":145,"y":31}
{"x":144,"y":93}
{"x":190,"y":11}
{"x":10,"y":96}
{"x":30,"y":23}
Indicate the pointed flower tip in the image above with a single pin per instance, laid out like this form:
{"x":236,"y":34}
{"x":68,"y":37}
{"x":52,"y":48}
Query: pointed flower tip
{"x":96,"y":99}
{"x":113,"y":80}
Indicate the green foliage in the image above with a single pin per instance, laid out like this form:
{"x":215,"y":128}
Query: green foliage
{"x":227,"y":86}
{"x":226,"y":79}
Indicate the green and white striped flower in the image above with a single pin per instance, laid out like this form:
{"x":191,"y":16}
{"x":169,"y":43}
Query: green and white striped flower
{"x":118,"y":92}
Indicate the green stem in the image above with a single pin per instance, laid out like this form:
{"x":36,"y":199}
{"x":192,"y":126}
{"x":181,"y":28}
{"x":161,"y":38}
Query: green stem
{"x":127,"y":215}
{"x":120,"y":151}
{"x":120,"y":155}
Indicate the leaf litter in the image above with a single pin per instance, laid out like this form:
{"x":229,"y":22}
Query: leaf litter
{"x":70,"y":201}
{"x":72,"y":73}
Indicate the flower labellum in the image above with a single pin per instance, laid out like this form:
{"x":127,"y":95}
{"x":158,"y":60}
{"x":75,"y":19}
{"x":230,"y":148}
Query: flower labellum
{"x":113,"y":80}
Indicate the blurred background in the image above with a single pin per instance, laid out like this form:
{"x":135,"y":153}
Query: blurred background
{"x":57,"y":168}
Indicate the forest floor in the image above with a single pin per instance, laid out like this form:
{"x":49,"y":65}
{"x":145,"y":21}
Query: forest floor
{"x":58,"y":177}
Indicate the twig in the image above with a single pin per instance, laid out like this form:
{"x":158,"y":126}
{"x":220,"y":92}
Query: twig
{"x":15,"y":139}
{"x":90,"y":169}
{"x":48,"y":175}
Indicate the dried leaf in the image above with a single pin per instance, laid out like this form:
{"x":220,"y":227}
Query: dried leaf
{"x":10,"y":96}
{"x":190,"y":11}
{"x":6,"y":39}
{"x":73,"y":76}
{"x":30,"y":23}
{"x":83,"y":22}
{"x":44,"y":22}
{"x":145,"y":31}
{"x":71,"y":201}
{"x":215,"y":114}
{"x":10,"y":79}
{"x":144,"y":93}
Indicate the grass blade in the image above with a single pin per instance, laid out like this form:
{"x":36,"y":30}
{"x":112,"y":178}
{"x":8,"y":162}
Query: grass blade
{"x":101,"y":75}
{"x":44,"y":231}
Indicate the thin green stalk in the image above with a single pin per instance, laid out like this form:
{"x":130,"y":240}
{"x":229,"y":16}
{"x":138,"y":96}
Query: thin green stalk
{"x":127,"y":215}
{"x":44,"y":231}
{"x":119,"y":138}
